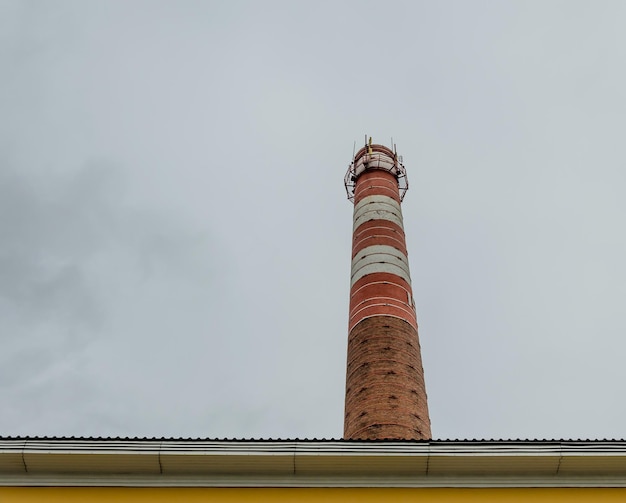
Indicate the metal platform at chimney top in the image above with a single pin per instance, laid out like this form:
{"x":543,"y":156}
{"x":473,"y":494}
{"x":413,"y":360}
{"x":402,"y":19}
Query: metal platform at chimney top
{"x":376,"y":157}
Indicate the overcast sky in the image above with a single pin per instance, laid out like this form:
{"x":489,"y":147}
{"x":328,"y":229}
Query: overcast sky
{"x":175,"y":238}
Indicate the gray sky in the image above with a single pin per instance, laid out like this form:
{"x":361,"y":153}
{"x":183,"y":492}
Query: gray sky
{"x":175,"y":239}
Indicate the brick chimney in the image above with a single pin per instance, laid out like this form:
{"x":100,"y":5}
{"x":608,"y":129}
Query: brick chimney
{"x":385,"y":391}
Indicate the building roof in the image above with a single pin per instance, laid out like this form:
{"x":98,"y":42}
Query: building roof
{"x":321,"y":463}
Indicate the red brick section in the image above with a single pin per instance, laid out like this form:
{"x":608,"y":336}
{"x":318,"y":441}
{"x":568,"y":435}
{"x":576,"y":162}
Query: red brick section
{"x":378,"y":294}
{"x":374,"y":232}
{"x":376,"y":182}
{"x":385,"y":391}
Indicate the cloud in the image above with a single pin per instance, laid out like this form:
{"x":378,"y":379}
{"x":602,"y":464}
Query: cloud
{"x":71,"y":244}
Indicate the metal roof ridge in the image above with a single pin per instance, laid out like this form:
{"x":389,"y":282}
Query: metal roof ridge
{"x":300,"y":440}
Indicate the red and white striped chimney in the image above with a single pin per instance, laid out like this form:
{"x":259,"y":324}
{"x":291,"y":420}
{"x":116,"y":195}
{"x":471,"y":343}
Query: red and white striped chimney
{"x":385,"y":391}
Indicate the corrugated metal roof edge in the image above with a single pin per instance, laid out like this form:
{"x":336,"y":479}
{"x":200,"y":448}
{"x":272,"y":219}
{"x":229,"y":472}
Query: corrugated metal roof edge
{"x":287,"y":440}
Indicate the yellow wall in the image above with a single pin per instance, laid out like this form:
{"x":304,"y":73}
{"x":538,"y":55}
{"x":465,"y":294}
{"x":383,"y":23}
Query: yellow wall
{"x":193,"y":495}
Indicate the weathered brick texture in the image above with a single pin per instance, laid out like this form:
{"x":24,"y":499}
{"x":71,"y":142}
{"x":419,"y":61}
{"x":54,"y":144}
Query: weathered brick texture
{"x":385,"y":392}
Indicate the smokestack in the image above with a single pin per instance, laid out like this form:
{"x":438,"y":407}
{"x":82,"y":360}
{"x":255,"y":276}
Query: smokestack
{"x":385,"y":391}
